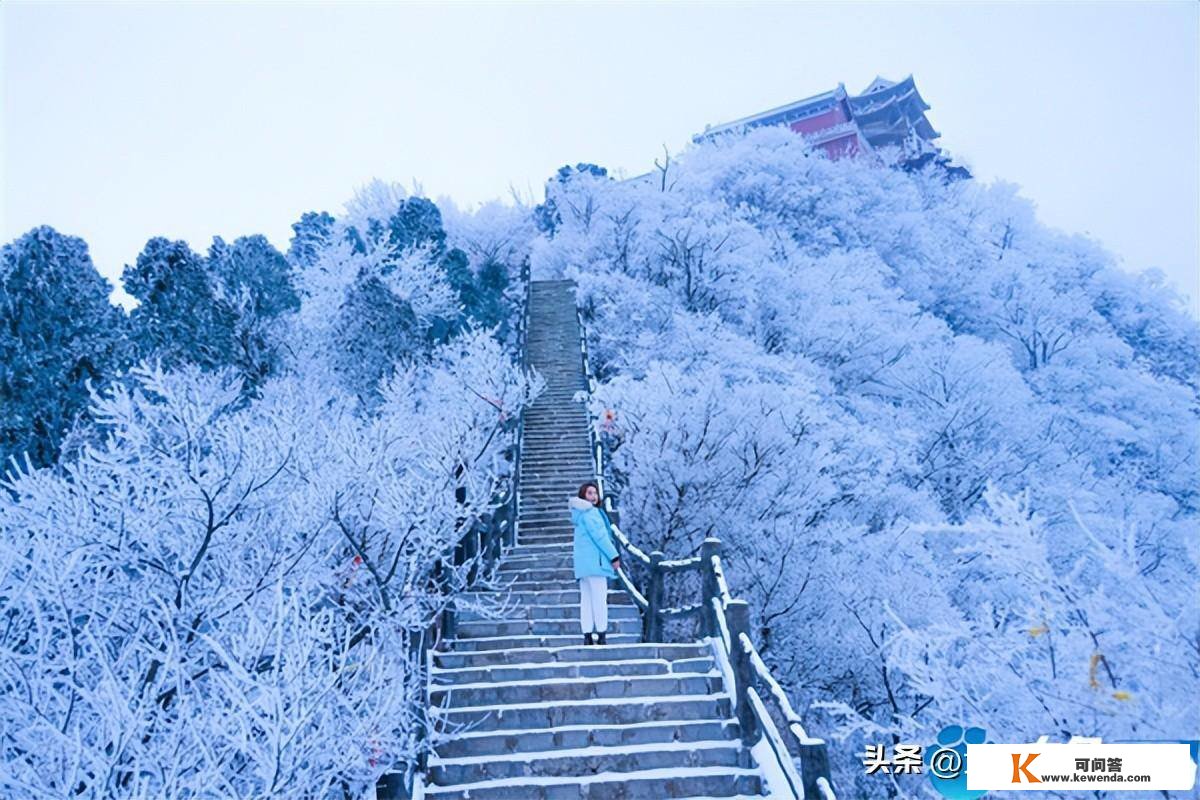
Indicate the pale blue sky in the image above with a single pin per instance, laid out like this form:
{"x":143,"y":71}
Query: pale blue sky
{"x":123,"y":122}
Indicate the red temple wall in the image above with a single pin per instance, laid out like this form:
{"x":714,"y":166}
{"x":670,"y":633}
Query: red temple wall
{"x":834,"y":116}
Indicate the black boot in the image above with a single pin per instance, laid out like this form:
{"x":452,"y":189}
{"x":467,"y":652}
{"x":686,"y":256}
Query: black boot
{"x":600,"y":638}
{"x":587,"y":638}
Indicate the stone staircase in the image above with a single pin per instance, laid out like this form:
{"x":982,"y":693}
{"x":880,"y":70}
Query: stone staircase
{"x":521,"y":708}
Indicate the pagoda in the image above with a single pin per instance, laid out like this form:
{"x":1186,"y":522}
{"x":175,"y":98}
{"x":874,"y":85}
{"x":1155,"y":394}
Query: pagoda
{"x":888,"y":114}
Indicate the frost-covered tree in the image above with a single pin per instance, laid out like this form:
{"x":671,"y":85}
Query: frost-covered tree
{"x":548,"y":215}
{"x":496,"y":239}
{"x":387,"y":284}
{"x":58,"y":333}
{"x":831,"y":361}
{"x":222,"y":596}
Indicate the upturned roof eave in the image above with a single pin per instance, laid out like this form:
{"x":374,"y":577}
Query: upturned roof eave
{"x":832,"y":94}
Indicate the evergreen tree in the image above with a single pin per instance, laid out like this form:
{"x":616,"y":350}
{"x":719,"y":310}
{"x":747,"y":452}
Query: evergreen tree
{"x":58,"y":332}
{"x":486,"y":302}
{"x":309,"y":235}
{"x":377,"y":331}
{"x":255,"y":282}
{"x":418,"y":222}
{"x":180,"y":318}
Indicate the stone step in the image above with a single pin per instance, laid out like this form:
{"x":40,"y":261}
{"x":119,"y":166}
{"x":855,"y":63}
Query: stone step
{"x":528,"y":512}
{"x":556,"y":464}
{"x":557,"y":478}
{"x":532,"y":554}
{"x":556,"y":425}
{"x":573,"y":652}
{"x":559,"y":483}
{"x":557,"y":443}
{"x":552,"y":504}
{"x":511,"y":570}
{"x":545,"y":462}
{"x":490,"y":628}
{"x":596,"y":711}
{"x":556,"y":501}
{"x":553,"y":509}
{"x":699,"y":782}
{"x":553,"y":491}
{"x":580,"y":762}
{"x":559,"y":540}
{"x":549,"y":597}
{"x":556,"y":440}
{"x":557,"y":447}
{"x":583,"y":669}
{"x":612,"y":687}
{"x":562,"y":527}
{"x":525,"y":642}
{"x":575,"y":736}
{"x":577,"y":430}
{"x":565,"y":541}
{"x":546,"y":523}
{"x":538,"y":574}
{"x":557,"y":560}
{"x":541,"y":526}
{"x":549,"y":612}
{"x":561,"y":536}
{"x":534,"y":586}
{"x":575,"y":462}
{"x":530,"y":532}
{"x":526,"y":551}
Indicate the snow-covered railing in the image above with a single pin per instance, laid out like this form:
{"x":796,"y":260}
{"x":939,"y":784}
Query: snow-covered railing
{"x":487,"y":537}
{"x":726,"y":622}
{"x":622,"y":540}
{"x":719,"y":573}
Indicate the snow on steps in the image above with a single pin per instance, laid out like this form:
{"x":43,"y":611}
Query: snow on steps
{"x":521,"y":709}
{"x":649,"y":784}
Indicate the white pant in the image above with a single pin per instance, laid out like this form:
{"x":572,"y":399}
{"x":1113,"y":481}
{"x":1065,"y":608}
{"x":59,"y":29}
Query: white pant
{"x":593,"y":604}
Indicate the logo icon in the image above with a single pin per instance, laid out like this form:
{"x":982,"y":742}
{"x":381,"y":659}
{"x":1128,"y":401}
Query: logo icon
{"x":947,"y":761}
{"x":1022,"y":768}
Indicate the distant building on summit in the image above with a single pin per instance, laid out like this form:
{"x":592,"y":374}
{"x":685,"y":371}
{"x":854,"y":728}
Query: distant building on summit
{"x":887,"y":114}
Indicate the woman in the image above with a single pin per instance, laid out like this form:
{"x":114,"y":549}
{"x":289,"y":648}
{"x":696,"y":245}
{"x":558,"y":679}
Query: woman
{"x":596,"y":560}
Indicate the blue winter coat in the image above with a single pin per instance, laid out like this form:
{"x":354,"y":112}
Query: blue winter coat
{"x":594,"y":548}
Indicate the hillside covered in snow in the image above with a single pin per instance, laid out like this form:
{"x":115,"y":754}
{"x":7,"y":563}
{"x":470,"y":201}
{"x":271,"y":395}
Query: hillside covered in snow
{"x":951,"y":453}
